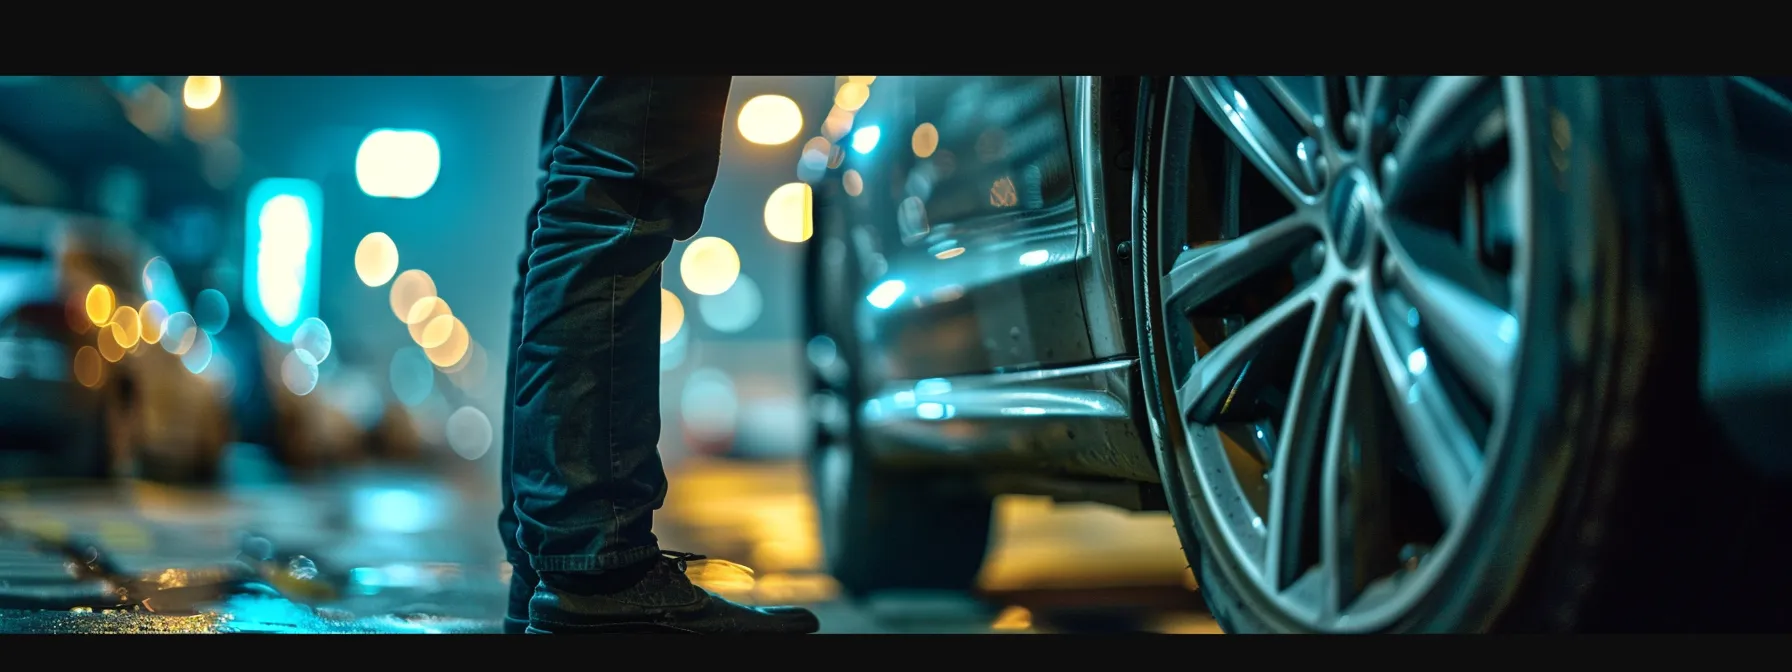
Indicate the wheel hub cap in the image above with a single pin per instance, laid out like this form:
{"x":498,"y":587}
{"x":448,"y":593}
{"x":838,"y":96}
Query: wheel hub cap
{"x":1352,"y":204}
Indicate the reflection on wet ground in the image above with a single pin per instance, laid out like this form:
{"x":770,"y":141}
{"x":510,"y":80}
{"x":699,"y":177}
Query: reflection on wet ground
{"x":391,"y":552}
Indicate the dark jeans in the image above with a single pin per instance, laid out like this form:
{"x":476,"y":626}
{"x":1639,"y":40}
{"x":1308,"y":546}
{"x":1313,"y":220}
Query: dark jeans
{"x":629,"y":165}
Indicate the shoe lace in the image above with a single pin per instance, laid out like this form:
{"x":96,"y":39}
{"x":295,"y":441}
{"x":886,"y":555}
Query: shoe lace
{"x":712,"y":573}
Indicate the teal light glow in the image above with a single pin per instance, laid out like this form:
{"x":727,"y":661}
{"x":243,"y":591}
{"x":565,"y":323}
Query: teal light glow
{"x":281,"y":256}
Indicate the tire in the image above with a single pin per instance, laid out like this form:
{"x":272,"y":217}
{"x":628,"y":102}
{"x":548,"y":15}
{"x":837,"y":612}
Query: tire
{"x":1596,"y":482}
{"x":882,"y":528}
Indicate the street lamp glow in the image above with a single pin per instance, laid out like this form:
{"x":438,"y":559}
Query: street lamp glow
{"x":788,"y":213}
{"x":202,"y":91}
{"x":398,"y":164}
{"x":769,"y":120}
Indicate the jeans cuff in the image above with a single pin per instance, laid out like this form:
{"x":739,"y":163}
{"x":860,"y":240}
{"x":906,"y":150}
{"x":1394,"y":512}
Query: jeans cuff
{"x":593,"y":563}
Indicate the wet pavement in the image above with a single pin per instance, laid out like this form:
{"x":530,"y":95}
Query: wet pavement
{"x":383,"y":551}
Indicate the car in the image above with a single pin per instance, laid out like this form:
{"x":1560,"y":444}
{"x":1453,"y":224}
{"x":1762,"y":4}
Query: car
{"x":1396,"y":354}
{"x":88,"y":393}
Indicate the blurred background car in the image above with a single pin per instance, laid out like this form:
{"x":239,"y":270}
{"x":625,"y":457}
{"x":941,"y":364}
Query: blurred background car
{"x":88,"y":330}
{"x":1373,"y":342}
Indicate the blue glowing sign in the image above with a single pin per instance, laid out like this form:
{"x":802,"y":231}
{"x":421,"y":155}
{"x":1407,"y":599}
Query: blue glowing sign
{"x":281,"y":254}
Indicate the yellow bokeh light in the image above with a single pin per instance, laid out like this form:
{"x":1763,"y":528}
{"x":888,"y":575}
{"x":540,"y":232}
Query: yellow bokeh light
{"x":376,"y":259}
{"x":854,"y":183}
{"x":410,"y":287}
{"x":770,"y":120}
{"x":88,"y":370}
{"x":125,"y":328}
{"x":861,"y":79}
{"x":150,"y":319}
{"x":451,"y":349}
{"x":100,"y":304}
{"x":671,"y":315}
{"x":949,"y":253}
{"x":927,"y":139}
{"x":202,"y":91}
{"x":852,"y":96}
{"x":437,"y":331}
{"x":789,"y":215}
{"x":423,"y":315}
{"x":108,"y":346}
{"x":709,"y":266}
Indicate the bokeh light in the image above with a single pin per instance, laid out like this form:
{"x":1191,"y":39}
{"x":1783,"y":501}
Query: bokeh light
{"x":150,"y":320}
{"x":202,"y":91}
{"x":469,"y":373}
{"x":671,"y":315}
{"x":199,"y":356}
{"x":789,"y":213}
{"x":410,"y":287}
{"x":852,"y":96}
{"x":925,"y":140}
{"x":179,"y":332}
{"x":398,"y":163}
{"x":735,"y":310}
{"x":672,"y":353}
{"x":709,"y":266}
{"x":436,"y":331}
{"x":298,"y":375}
{"x":108,"y":346}
{"x":769,"y":120}
{"x":158,"y":277}
{"x":125,"y":327}
{"x":853,"y":182}
{"x":469,"y":432}
{"x":412,"y":376}
{"x":100,"y":304}
{"x":865,"y":139}
{"x":88,"y":369}
{"x":211,"y":311}
{"x":423,"y":314}
{"x":836,"y":124}
{"x":312,"y":341}
{"x":861,"y":79}
{"x":376,"y":259}
{"x":816,"y":152}
{"x":283,"y":247}
{"x":453,"y":348}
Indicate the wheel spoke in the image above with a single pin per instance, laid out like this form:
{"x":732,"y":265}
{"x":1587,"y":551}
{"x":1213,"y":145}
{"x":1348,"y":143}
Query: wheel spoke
{"x":1476,"y":336}
{"x":1202,"y":273}
{"x":1440,"y":441}
{"x":1355,"y":512}
{"x":1447,"y":115}
{"x":1206,"y":393}
{"x":1298,"y":446}
{"x":1299,"y":105}
{"x":1278,"y":150}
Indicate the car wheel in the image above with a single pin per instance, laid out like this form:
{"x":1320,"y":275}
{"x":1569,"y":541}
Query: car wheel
{"x":882,"y":528}
{"x":1417,"y":350}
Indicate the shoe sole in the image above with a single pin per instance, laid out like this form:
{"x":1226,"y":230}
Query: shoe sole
{"x":612,"y":629}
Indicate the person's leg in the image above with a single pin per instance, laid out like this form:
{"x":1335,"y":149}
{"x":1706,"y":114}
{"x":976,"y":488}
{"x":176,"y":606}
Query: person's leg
{"x":522,"y":577}
{"x":628,"y":176}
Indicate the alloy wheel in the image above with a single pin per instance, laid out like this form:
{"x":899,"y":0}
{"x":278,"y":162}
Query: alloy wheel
{"x":1341,"y":323}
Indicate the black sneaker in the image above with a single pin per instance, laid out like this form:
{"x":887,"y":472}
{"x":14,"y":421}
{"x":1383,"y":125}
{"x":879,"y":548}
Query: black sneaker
{"x":663,"y":601}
